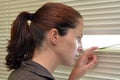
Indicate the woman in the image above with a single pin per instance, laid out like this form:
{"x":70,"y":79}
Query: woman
{"x":52,"y":37}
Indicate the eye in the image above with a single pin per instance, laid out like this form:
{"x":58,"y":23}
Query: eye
{"x":78,"y":38}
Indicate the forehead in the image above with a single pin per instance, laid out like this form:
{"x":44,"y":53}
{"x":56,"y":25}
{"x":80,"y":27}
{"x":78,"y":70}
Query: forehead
{"x":79,"y":27}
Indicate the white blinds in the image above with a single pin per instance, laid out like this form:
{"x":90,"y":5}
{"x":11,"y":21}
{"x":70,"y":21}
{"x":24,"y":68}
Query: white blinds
{"x":100,"y":17}
{"x":108,"y":68}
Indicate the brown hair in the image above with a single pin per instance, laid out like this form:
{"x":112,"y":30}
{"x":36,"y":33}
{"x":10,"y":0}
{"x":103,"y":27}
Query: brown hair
{"x":26,"y":37}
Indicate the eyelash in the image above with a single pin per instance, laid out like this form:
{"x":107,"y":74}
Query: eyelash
{"x":78,"y":38}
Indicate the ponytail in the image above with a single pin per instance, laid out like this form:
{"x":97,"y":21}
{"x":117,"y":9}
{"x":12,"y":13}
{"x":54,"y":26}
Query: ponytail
{"x":21,"y":44}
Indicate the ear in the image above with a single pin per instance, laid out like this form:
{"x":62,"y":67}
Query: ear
{"x":54,"y":36}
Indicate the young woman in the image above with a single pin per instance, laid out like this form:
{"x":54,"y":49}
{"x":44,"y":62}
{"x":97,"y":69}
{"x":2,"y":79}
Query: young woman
{"x":52,"y":37}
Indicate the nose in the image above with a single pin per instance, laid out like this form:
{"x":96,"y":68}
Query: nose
{"x":80,"y":47}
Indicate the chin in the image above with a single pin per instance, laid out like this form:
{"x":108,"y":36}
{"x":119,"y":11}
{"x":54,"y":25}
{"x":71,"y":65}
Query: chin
{"x":71,"y":63}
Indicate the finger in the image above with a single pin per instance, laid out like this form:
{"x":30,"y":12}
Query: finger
{"x":92,"y":64}
{"x":95,"y":58}
{"x":90,"y":58}
{"x":91,"y":50}
{"x":88,"y":54}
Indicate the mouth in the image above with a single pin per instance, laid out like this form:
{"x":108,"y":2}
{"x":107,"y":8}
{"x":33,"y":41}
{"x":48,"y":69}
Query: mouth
{"x":76,"y":57}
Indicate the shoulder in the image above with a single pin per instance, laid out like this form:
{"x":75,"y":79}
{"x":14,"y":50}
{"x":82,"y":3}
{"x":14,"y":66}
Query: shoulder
{"x":25,"y":75}
{"x":30,"y":70}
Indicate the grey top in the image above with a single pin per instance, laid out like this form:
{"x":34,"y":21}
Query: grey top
{"x":30,"y":70}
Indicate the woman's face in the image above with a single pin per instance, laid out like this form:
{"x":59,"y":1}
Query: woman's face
{"x":68,"y":45}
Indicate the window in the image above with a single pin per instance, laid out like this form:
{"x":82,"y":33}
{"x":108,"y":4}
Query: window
{"x":102,"y":41}
{"x":101,"y":19}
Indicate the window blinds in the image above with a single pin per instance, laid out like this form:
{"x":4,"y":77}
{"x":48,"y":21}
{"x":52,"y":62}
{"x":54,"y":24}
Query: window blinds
{"x":108,"y":68}
{"x":100,"y":17}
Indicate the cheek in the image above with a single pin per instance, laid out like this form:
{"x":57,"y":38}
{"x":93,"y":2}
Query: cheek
{"x":71,"y":52}
{"x":76,"y":52}
{"x":72,"y":47}
{"x":67,"y":52}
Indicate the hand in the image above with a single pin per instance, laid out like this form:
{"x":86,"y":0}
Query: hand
{"x":87,"y":61}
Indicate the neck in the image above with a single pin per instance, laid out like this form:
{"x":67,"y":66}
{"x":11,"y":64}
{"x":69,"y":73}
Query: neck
{"x":47,"y":59}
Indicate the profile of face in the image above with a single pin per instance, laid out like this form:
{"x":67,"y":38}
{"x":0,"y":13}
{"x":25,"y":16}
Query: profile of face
{"x":68,"y":45}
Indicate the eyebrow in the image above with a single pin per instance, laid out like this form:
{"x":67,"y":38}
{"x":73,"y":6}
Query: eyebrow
{"x":81,"y":35}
